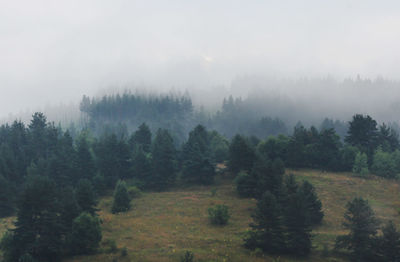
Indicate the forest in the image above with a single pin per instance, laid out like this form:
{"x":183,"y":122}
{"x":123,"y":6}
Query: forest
{"x":53,"y":179}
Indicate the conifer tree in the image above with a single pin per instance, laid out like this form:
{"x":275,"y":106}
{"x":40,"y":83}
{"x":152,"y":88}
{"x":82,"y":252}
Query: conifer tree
{"x":389,"y":243}
{"x":361,"y":222}
{"x":163,"y":174}
{"x":122,"y":200}
{"x":86,"y":197}
{"x":85,"y":235}
{"x":241,"y":155}
{"x":7,"y":198}
{"x":38,"y":229}
{"x":268,"y":229}
{"x":313,"y":204}
{"x":141,"y":167}
{"x":141,"y":138}
{"x":85,"y":166}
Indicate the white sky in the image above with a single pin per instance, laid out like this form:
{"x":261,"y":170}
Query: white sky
{"x":53,"y":51}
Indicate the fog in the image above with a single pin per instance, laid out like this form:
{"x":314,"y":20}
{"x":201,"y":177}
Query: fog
{"x":54,"y":52}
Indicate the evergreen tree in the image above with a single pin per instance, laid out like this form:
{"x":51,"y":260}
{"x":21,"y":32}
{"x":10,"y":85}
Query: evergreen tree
{"x":313,"y":204}
{"x":361,"y":222}
{"x":383,"y":164}
{"x":268,"y":229}
{"x":85,"y":166}
{"x":389,"y":243}
{"x":141,"y":167}
{"x":141,"y":138}
{"x":241,"y":155}
{"x":69,"y":208}
{"x":38,"y":229}
{"x":163,"y":174}
{"x":363,"y":134}
{"x":7,"y":198}
{"x":86,"y":197}
{"x":86,"y":234}
{"x":297,"y":223}
{"x":122,"y":200}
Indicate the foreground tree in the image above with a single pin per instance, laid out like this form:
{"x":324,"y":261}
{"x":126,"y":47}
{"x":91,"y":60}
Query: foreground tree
{"x":86,"y":197}
{"x":268,"y":231}
{"x":313,"y":204}
{"x":361,"y":222}
{"x":389,"y":243}
{"x":38,"y":230}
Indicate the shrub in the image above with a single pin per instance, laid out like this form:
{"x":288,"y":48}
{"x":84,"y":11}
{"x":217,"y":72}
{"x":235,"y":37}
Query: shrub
{"x":110,"y":246}
{"x":218,"y":215}
{"x":134,"y":192}
{"x":188,"y":257}
{"x":124,"y":252}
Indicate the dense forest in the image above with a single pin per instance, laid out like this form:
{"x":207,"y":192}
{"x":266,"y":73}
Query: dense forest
{"x":51,"y":179}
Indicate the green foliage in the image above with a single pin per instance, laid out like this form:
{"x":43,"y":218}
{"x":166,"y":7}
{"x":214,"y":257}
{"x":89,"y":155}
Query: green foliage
{"x":313,"y":204}
{"x":7,"y":198}
{"x":197,"y":166}
{"x":362,"y":225}
{"x":268,"y":227}
{"x":360,"y":166}
{"x":86,"y":197}
{"x":142,"y":167}
{"x":164,"y":157}
{"x":38,"y":230}
{"x":85,"y":165}
{"x":134,"y":192}
{"x":141,"y":139}
{"x":383,"y":164}
{"x":363,"y":134}
{"x":124,"y":252}
{"x":86,"y":234}
{"x":122,"y":199}
{"x":245,"y":184}
{"x":241,"y":155}
{"x":187,"y":257}
{"x":219,"y":147}
{"x":218,"y":215}
{"x":389,"y":243}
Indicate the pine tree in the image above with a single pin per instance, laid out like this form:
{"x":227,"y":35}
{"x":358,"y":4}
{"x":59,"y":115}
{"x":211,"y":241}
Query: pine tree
{"x":122,"y":200}
{"x":85,"y":166}
{"x":7,"y":198}
{"x":268,"y":230}
{"x":85,"y":235}
{"x":297,"y":223}
{"x":389,"y":243}
{"x":314,"y":205}
{"x":38,"y":230}
{"x":361,"y":222}
{"x":163,"y":174}
{"x":141,"y":138}
{"x":141,"y":166}
{"x":241,"y":155}
{"x":86,"y":197}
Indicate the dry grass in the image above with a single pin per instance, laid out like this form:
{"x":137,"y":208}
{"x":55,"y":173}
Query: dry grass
{"x":162,"y":226}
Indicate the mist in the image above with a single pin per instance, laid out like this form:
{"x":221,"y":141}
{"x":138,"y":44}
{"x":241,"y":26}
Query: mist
{"x":316,"y":59}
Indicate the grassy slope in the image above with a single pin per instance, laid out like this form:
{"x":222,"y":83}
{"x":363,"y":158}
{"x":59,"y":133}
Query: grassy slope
{"x":161,"y":226}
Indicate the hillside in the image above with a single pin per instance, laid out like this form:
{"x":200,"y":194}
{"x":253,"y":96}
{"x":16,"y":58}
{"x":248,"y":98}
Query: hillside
{"x":161,"y":226}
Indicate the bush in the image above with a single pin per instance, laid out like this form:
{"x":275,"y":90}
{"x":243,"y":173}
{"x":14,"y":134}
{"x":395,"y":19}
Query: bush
{"x":110,"y":246}
{"x":134,"y":192}
{"x":188,"y":257}
{"x":218,"y":215}
{"x":124,"y":252}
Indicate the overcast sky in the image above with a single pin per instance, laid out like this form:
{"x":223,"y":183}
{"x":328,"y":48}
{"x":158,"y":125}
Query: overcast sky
{"x":53,"y":51}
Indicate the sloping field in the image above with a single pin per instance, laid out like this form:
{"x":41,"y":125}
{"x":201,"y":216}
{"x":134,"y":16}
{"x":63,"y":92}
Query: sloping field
{"x":162,"y":226}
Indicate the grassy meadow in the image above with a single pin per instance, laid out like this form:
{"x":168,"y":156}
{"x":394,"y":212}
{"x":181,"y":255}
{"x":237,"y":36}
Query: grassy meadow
{"x":162,"y":226}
